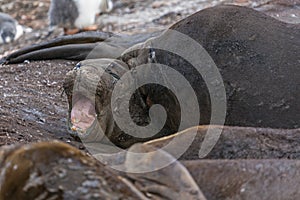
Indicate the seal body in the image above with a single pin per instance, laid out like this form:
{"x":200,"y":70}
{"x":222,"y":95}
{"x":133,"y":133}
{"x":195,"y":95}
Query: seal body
{"x":256,"y":55}
{"x":258,"y":59}
{"x":55,"y":170}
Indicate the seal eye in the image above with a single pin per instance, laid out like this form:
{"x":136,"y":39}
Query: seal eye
{"x":78,"y":65}
{"x":152,"y":55}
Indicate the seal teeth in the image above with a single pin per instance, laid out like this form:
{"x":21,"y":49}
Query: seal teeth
{"x":74,"y":121}
{"x":78,"y":130}
{"x":74,"y":128}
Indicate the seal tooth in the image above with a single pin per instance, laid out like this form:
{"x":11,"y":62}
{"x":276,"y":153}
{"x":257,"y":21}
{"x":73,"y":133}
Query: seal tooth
{"x":74,"y":128}
{"x":74,"y":120}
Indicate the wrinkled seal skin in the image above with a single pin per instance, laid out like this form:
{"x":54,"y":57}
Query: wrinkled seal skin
{"x":55,"y":170}
{"x":246,"y":163}
{"x":96,"y":82}
{"x":257,"y":56}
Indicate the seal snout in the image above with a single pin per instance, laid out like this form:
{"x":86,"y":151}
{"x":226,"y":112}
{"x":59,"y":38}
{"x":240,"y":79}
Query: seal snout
{"x":83,"y":113}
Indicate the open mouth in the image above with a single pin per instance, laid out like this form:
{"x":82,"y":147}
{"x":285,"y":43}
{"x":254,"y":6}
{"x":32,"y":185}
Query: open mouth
{"x":83,"y":114}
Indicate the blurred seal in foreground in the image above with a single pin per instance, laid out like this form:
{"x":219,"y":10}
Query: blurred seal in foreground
{"x":55,"y":170}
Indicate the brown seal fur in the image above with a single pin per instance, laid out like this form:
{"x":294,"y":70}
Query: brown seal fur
{"x":55,"y":170}
{"x":257,"y":56}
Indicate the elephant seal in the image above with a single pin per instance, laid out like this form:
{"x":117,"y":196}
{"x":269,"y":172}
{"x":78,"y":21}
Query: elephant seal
{"x":55,"y":170}
{"x":256,"y":55}
{"x":259,"y":67}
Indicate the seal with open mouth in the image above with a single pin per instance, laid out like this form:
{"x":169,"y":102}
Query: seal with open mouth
{"x":257,"y":56}
{"x":259,"y":67}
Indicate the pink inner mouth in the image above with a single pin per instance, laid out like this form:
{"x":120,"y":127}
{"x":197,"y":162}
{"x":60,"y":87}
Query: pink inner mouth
{"x":83,"y":114}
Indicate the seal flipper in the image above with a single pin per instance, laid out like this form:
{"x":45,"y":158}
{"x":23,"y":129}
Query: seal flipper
{"x":59,"y":48}
{"x":79,"y":46}
{"x":70,"y":52}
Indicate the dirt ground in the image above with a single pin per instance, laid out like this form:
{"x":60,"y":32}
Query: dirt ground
{"x":33,"y":106}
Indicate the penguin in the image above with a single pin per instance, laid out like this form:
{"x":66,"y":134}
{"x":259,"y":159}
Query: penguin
{"x":76,"y":15}
{"x":10,"y":29}
{"x":106,"y":6}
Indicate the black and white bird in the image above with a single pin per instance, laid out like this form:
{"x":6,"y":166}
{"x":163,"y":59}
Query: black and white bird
{"x":75,"y":15}
{"x":10,"y":29}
